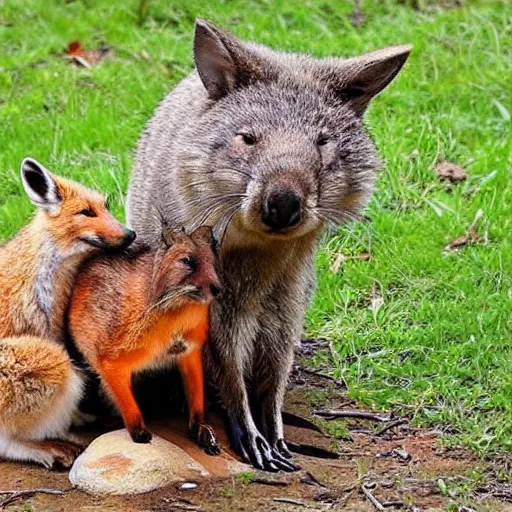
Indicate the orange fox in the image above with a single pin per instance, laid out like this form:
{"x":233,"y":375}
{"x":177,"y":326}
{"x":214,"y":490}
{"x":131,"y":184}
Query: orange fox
{"x":39,"y":388}
{"x":137,"y":310}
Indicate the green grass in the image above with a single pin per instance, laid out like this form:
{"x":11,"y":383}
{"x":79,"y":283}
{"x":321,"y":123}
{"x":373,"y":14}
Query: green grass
{"x":439,"y":345}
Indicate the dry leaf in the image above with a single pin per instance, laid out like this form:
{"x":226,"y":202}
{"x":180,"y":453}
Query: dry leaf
{"x":458,"y":242}
{"x":448,"y":171}
{"x":86,"y":58}
{"x":471,"y":237}
{"x":341,"y":258}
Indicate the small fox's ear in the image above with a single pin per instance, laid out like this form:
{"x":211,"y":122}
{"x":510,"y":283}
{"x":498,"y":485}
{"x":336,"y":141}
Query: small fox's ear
{"x":40,"y":186}
{"x":360,"y":79}
{"x":222,"y":61}
{"x":170,"y":236}
{"x":204,"y":233}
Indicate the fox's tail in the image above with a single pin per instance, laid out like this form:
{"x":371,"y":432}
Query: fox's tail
{"x":39,"y":393}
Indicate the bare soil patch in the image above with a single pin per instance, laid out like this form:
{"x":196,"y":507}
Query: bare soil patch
{"x":399,"y":469}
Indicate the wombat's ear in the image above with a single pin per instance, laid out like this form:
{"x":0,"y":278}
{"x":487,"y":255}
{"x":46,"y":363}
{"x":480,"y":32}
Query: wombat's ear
{"x":40,"y":186}
{"x":222,"y":61}
{"x":360,"y":79}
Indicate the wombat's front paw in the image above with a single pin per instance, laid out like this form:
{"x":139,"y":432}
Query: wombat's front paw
{"x":281,"y":448}
{"x":140,"y":434}
{"x":207,"y":440}
{"x":257,"y":451}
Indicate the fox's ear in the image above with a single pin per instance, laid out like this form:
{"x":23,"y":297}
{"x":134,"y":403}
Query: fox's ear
{"x":171,"y":236}
{"x":206,"y":234}
{"x":222,"y":61}
{"x":359,"y":79}
{"x":203,"y":233}
{"x":40,"y":186}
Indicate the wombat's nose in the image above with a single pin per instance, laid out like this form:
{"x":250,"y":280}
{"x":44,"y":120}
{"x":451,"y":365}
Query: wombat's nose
{"x":282,"y":209}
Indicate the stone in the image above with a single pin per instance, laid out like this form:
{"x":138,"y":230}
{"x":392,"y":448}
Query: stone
{"x":114,"y":464}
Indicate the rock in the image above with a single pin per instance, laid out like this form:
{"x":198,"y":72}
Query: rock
{"x":114,"y":464}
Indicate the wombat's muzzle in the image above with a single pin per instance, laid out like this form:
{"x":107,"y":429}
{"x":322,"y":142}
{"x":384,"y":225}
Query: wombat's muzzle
{"x":282,"y":209}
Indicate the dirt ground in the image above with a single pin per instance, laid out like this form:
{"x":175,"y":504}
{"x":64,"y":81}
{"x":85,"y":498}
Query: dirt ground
{"x":354,"y":469}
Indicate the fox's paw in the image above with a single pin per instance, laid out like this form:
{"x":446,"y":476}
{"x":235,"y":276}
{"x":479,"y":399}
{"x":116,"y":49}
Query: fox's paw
{"x":140,"y":434}
{"x":207,"y":440}
{"x":64,"y":454}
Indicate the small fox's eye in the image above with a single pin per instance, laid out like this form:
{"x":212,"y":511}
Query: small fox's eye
{"x":248,"y":139}
{"x":189,"y":262}
{"x":323,"y":139}
{"x":87,"y":212}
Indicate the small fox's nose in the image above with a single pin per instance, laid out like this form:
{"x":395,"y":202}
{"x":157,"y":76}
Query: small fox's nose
{"x":282,"y":209}
{"x":128,"y":237}
{"x":215,"y":290}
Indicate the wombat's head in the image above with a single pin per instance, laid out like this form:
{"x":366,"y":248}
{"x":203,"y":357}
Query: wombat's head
{"x":281,"y":148}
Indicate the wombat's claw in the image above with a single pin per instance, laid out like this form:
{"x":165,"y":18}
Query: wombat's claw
{"x":263,"y":456}
{"x":207,"y":440}
{"x":281,"y":448}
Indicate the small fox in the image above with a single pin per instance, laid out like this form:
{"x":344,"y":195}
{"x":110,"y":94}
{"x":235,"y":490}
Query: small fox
{"x":39,"y":388}
{"x":147,"y":308}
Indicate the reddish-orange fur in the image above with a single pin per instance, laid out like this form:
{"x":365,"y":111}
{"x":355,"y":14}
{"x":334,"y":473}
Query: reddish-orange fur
{"x":138,"y":330}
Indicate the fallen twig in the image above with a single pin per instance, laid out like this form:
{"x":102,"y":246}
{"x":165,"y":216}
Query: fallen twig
{"x":268,"y":481}
{"x":330,"y":414}
{"x":393,"y":503}
{"x":371,"y":498}
{"x":317,"y":373}
{"x":391,"y":425}
{"x":183,"y":504}
{"x":16,"y":495}
{"x":291,"y":502}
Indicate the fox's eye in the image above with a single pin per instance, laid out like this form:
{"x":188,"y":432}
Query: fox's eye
{"x":248,"y":139}
{"x":87,"y":212}
{"x":323,"y":139}
{"x":189,"y":262}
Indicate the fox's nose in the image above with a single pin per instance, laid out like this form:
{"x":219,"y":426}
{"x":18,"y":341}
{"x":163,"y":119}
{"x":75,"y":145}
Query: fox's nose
{"x":282,"y":209}
{"x":128,"y":237}
{"x":215,"y":290}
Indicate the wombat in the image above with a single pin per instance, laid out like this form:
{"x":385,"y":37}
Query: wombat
{"x":269,"y":148}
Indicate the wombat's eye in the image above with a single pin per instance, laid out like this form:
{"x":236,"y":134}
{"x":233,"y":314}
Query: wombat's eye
{"x":249,"y":139}
{"x":323,"y":139}
{"x":87,"y":212}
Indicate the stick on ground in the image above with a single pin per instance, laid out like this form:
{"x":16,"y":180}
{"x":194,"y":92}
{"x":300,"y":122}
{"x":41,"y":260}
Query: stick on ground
{"x":330,"y":414}
{"x":16,"y":495}
{"x":391,"y":425}
{"x":371,"y":498}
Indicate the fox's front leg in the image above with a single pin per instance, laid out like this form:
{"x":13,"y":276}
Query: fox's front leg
{"x":117,"y":378}
{"x":191,"y":368}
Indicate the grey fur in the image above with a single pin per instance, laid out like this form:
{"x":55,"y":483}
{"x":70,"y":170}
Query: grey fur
{"x":196,"y":164}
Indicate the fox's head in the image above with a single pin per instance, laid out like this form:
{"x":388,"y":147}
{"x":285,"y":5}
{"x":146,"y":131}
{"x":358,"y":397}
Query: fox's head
{"x":76,"y":217}
{"x":186,"y":267}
